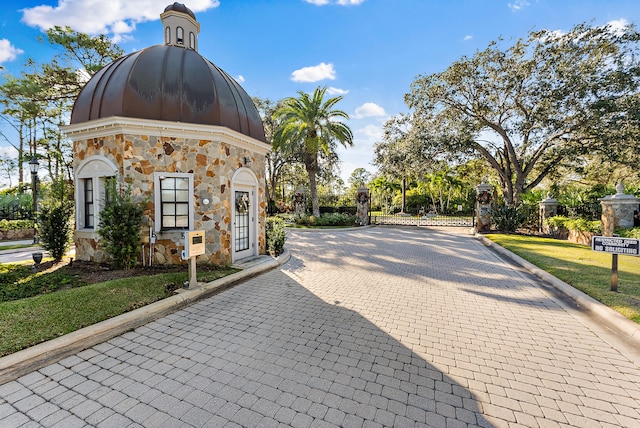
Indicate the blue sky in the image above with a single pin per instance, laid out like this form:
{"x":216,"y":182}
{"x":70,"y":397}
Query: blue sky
{"x":368,"y":51}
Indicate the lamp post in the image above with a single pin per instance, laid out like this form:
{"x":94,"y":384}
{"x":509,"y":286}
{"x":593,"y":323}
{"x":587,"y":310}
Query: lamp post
{"x":33,"y":166}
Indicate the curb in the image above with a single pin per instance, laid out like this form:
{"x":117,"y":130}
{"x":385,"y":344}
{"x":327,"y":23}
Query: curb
{"x":628,"y":328}
{"x":28,"y":360}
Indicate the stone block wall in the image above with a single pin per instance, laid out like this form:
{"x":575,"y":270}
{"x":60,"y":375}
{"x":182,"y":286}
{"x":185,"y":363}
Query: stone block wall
{"x":212,"y":163}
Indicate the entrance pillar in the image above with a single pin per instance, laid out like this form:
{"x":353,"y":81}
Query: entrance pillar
{"x":618,"y":211}
{"x":548,"y":208}
{"x":299,"y":202}
{"x":483,"y":206}
{"x":362,"y":206}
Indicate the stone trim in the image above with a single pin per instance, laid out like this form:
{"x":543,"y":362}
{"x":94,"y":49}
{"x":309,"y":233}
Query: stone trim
{"x":108,"y":126}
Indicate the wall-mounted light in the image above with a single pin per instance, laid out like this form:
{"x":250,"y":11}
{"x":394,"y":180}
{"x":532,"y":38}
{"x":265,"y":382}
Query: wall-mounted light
{"x":247,"y":161}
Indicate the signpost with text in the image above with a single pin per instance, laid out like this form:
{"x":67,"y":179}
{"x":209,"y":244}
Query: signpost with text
{"x":615,"y":245}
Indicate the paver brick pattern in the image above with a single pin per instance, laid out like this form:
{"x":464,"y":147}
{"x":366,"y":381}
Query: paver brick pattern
{"x":362,"y":328}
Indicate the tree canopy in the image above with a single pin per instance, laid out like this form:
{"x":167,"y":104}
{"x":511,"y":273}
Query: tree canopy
{"x":309,"y":127}
{"x":38,"y":102}
{"x":534,"y":106}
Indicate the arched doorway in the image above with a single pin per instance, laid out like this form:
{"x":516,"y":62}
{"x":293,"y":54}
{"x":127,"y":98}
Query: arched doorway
{"x":244,"y":215}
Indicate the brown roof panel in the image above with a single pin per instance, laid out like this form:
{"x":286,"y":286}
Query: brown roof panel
{"x":168,"y":83}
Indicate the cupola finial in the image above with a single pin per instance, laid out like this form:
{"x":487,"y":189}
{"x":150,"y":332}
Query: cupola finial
{"x":180,"y":26}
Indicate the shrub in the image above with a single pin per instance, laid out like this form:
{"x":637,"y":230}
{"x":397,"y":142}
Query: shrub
{"x":333,"y":219}
{"x":580,"y":224}
{"x":54,"y":220}
{"x":276,"y":235}
{"x":557,"y":221}
{"x":584,"y":225}
{"x":507,"y":218}
{"x":54,"y":228}
{"x":629,"y":233}
{"x":15,"y":224}
{"x":120,"y":226}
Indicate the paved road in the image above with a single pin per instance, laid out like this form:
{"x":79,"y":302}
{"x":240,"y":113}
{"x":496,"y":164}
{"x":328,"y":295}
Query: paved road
{"x":365,"y":328}
{"x":24,"y":254}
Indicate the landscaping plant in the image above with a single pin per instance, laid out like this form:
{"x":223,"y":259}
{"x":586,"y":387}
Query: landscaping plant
{"x":120,"y":226}
{"x":507,"y":218}
{"x":276,"y":235}
{"x":54,"y":222}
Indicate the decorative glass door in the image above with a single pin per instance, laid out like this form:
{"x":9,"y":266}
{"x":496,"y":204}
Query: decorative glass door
{"x":242,"y":239}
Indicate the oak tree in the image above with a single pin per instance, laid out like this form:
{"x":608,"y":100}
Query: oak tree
{"x":531,"y":107}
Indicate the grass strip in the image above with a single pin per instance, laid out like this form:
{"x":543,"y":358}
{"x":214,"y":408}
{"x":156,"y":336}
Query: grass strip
{"x":578,"y":265}
{"x":27,"y":322}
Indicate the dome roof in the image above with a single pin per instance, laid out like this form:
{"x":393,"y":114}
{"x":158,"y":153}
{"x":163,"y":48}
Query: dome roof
{"x":168,"y":83}
{"x":179,"y":7}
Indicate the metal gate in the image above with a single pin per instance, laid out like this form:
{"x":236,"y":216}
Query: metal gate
{"x":423,"y":220}
{"x":422,"y":217}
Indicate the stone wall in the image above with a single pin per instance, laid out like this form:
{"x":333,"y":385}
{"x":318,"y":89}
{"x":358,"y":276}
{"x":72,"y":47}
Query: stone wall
{"x":16,"y":234}
{"x":212,"y":163}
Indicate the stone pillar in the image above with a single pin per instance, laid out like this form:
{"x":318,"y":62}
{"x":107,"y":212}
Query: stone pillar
{"x":483,"y":206}
{"x":548,"y":208}
{"x":362,"y":206}
{"x":300,"y":202}
{"x":618,"y":211}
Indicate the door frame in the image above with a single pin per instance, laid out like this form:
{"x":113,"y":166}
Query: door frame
{"x":244,"y":180}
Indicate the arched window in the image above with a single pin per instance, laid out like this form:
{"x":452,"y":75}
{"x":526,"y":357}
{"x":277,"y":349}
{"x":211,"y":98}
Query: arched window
{"x":192,"y":41}
{"x":91,"y":195}
{"x":167,"y":35}
{"x":180,"y":36}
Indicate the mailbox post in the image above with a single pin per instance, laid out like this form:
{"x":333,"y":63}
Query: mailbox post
{"x":193,"y":246}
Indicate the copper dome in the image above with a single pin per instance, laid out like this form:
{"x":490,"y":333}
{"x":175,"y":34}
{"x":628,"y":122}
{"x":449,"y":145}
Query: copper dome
{"x":168,"y":83}
{"x":180,"y":7}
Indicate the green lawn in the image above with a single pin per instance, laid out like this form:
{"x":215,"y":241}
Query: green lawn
{"x":15,"y":246}
{"x":29,"y":321}
{"x":583,"y":268}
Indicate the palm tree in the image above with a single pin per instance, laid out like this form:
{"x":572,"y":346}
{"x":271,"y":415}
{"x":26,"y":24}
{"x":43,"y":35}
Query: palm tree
{"x":307,"y":125}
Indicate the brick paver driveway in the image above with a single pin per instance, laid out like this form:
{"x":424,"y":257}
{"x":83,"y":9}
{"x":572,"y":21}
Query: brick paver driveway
{"x":371,"y":327}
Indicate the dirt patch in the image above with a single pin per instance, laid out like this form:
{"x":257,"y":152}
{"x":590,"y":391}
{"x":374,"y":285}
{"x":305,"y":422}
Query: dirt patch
{"x":92,"y":273}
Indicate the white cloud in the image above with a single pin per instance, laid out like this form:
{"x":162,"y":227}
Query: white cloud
{"x":240,"y":78}
{"x":518,"y":5}
{"x":468,"y":37}
{"x":369,"y":110}
{"x":315,"y":73}
{"x":8,"y":52}
{"x":114,"y":18}
{"x":360,"y":155}
{"x":371,"y":132}
{"x":318,"y":2}
{"x":337,"y":91}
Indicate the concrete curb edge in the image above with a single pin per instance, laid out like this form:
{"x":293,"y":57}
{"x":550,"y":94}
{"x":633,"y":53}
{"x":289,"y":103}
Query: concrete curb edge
{"x":33,"y":358}
{"x":625,"y":325}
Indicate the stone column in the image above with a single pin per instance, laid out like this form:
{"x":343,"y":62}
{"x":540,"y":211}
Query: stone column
{"x":618,"y":211}
{"x":362,"y":206}
{"x":300,"y":202}
{"x":483,"y":206}
{"x":548,"y":208}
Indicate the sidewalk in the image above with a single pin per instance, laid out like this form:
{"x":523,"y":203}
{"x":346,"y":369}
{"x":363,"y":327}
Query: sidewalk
{"x":10,"y":243}
{"x":19,"y":255}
